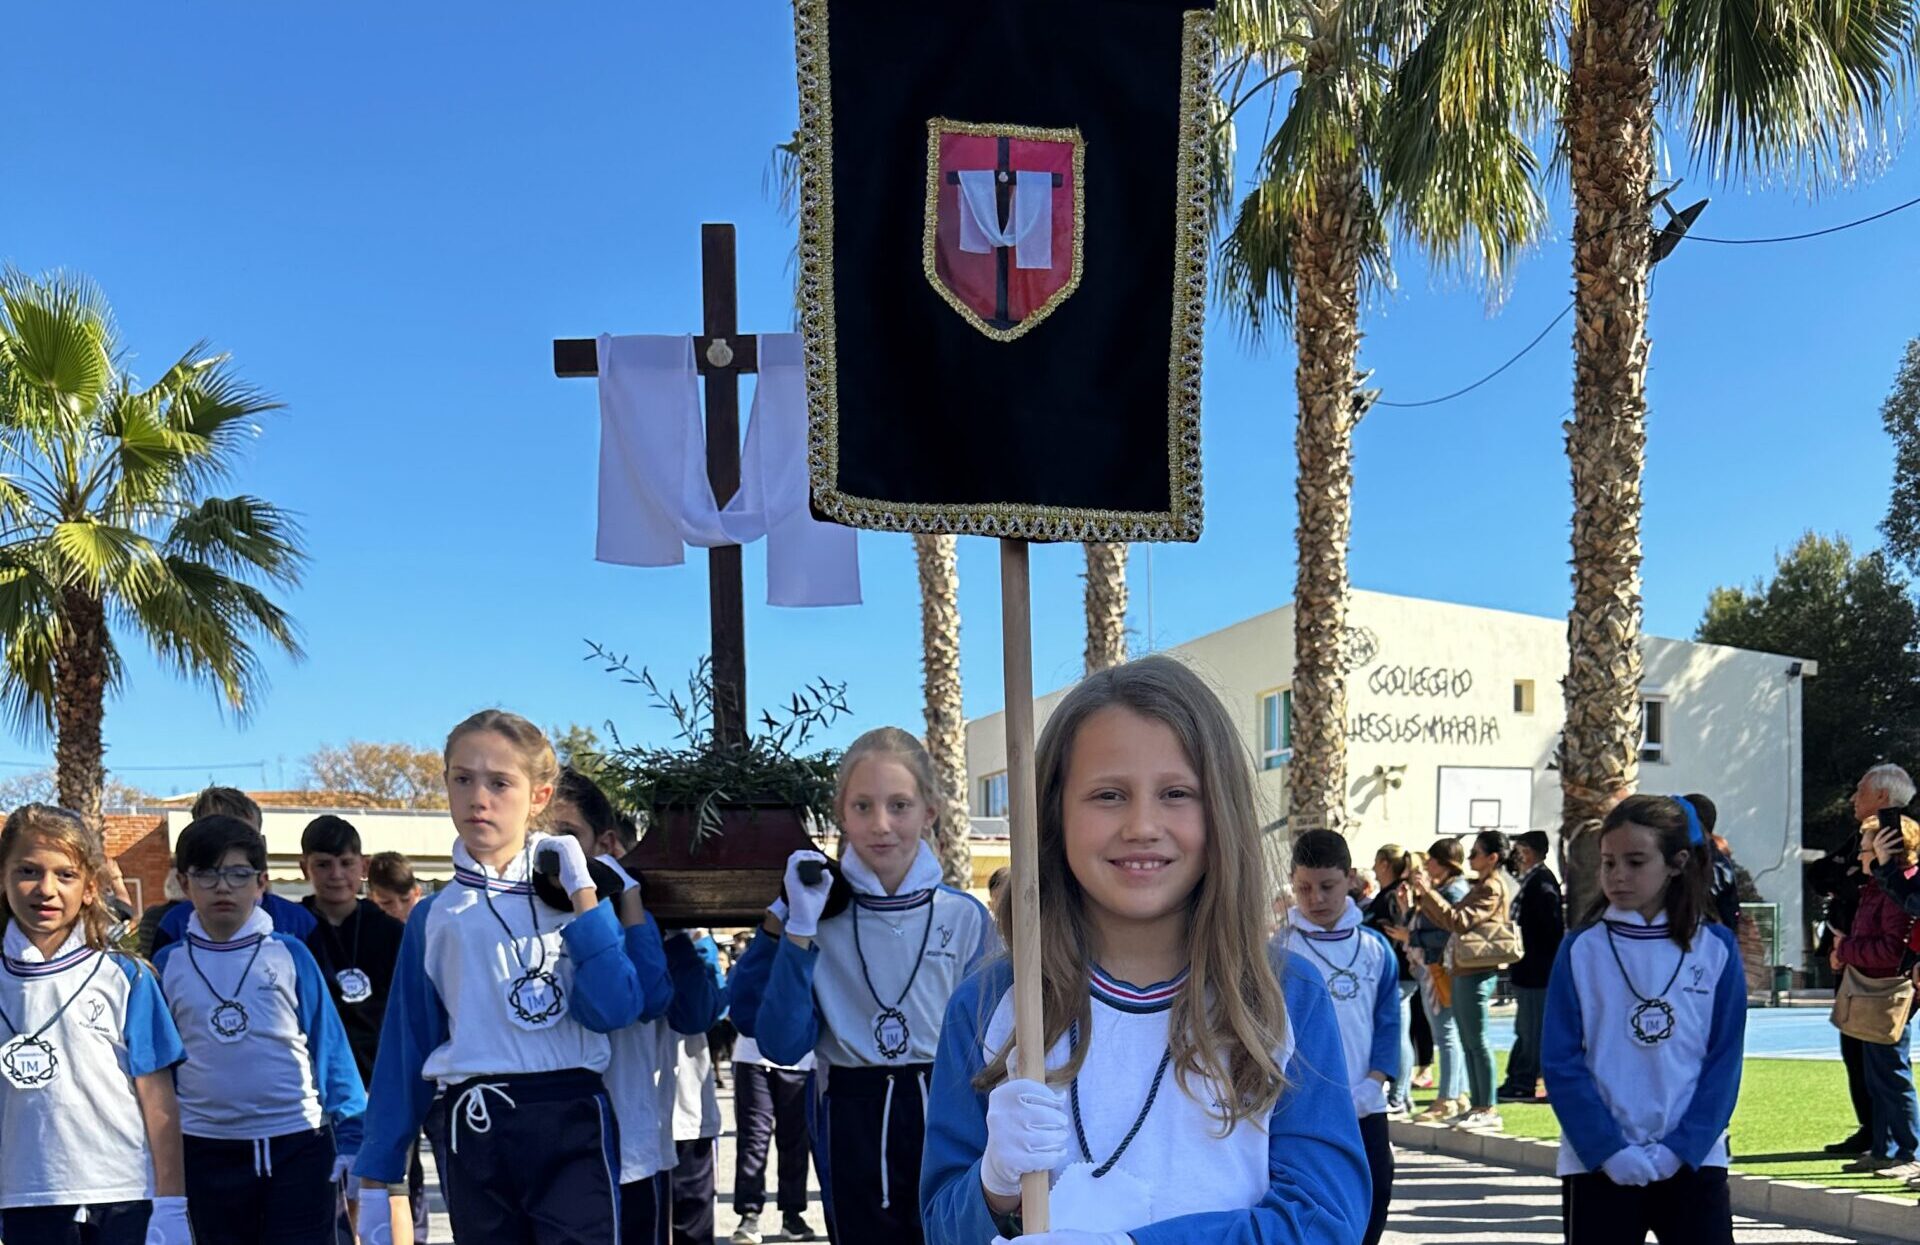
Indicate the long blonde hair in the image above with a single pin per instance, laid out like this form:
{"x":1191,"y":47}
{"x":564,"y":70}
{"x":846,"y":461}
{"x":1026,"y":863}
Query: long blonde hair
{"x":536,"y":753}
{"x":893,"y":744}
{"x":67,"y":830}
{"x":1227,"y":1023}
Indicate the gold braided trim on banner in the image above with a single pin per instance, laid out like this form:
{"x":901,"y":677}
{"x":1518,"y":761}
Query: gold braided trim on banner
{"x":1182,"y":521}
{"x":930,"y":235}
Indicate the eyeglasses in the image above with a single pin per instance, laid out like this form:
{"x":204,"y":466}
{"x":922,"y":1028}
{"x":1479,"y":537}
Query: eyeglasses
{"x":237,"y":877}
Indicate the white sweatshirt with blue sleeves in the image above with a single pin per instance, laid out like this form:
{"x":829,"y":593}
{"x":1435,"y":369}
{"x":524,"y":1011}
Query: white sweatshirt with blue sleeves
{"x":451,"y":1014}
{"x":1612,"y":1089}
{"x":291,"y":1070}
{"x":1297,"y":1177}
{"x":818,"y":999}
{"x":79,"y":1137}
{"x":1362,"y":977}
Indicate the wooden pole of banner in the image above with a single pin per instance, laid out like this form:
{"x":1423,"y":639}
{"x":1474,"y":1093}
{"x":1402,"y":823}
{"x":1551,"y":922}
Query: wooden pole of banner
{"x":1023,"y":831}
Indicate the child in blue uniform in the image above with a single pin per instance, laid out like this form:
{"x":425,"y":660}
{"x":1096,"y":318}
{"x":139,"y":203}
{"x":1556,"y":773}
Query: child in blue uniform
{"x":866,"y":988}
{"x":1646,"y":1018}
{"x":505,"y":1003}
{"x":1207,"y":1107}
{"x":270,"y":1102}
{"x":89,"y":1125}
{"x":1325,"y":928}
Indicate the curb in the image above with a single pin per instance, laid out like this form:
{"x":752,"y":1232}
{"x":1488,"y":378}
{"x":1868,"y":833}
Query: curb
{"x":1791,"y":1201}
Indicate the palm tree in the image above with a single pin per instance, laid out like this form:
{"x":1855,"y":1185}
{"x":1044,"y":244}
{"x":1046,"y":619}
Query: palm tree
{"x":1797,"y":87}
{"x":1106,"y":600}
{"x":946,"y":719}
{"x":107,"y":526}
{"x":1405,"y":116}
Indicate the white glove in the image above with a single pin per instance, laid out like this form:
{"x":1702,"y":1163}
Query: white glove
{"x":374,"y":1221}
{"x":805,"y":903}
{"x":342,"y":1164}
{"x":778,"y":909}
{"x":1629,"y":1168}
{"x":574,"y":876}
{"x":1067,"y":1236}
{"x":1666,"y":1164}
{"x":1027,"y":1131}
{"x":167,"y":1224}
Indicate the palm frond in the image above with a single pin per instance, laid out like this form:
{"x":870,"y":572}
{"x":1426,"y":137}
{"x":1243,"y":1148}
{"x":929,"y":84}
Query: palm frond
{"x":239,"y":536}
{"x":203,"y":624}
{"x":58,"y":340}
{"x":102,"y":558}
{"x":30,"y":626}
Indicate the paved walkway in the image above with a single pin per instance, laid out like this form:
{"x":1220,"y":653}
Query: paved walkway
{"x":1439,"y":1200}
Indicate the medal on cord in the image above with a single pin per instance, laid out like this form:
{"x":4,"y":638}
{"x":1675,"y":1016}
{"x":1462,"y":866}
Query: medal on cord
{"x":28,"y":1060}
{"x":228,"y":1019}
{"x":355,"y":985}
{"x":1652,"y":1020}
{"x":890,"y":1033}
{"x":534,"y":999}
{"x":1342,"y":983}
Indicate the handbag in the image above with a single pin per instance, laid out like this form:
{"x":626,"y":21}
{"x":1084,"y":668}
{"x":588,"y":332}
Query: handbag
{"x":1872,"y":1009}
{"x":1492,"y":945}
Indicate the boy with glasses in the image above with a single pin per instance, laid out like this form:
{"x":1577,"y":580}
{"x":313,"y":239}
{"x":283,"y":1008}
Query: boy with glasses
{"x":270,"y":1100}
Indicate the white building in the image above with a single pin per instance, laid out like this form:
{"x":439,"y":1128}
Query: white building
{"x":424,"y":836}
{"x":1454,"y":720}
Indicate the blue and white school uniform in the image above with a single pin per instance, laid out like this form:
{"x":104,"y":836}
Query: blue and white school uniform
{"x":1298,"y":1176}
{"x":867,"y":998}
{"x":678,"y":996}
{"x":269,"y":1092}
{"x":1363,"y":981}
{"x":76,"y":1029}
{"x":506,"y":1004}
{"x":1642,"y":1044}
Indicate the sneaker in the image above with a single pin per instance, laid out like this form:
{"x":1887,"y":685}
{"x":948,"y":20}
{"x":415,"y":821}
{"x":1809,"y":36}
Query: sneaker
{"x":1903,"y":1171}
{"x":748,"y":1233}
{"x":1859,"y":1143}
{"x":1870,"y":1163}
{"x":1438,"y":1113}
{"x":1423,"y":1079}
{"x":1486,"y":1118}
{"x":795,"y":1227}
{"x":1514,"y":1094}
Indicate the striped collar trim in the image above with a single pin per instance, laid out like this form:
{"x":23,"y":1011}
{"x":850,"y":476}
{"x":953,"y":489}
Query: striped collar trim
{"x":1127,"y":997}
{"x":487,"y":882}
{"x":47,"y":968}
{"x":894,"y":903}
{"x":238,"y":944}
{"x":1646,"y":933}
{"x":1327,"y":935}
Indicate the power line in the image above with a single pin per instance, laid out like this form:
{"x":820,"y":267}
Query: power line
{"x":1688,"y":237}
{"x":144,"y":769}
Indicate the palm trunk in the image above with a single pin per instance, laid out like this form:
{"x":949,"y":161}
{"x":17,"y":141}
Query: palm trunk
{"x":1106,"y":604}
{"x":1609,"y":127}
{"x":79,"y":704}
{"x":1327,"y":336}
{"x":946,"y":727}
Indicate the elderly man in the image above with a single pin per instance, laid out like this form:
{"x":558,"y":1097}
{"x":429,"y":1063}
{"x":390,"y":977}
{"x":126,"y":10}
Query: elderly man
{"x":1879,"y":1081}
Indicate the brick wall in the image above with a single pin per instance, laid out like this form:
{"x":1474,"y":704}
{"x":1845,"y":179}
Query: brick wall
{"x":139,"y":843}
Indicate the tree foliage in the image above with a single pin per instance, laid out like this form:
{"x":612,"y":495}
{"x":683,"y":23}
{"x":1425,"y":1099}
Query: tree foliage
{"x":40,"y":787}
{"x":1855,"y":616}
{"x":396,"y":775}
{"x":1901,"y":415}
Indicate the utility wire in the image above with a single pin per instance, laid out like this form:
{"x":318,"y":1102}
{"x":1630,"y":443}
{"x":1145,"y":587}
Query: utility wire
{"x":137,"y":769}
{"x":1689,"y":237}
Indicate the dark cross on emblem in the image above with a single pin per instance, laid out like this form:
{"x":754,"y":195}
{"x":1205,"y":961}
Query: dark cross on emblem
{"x":1003,"y":198}
{"x":722,"y":355}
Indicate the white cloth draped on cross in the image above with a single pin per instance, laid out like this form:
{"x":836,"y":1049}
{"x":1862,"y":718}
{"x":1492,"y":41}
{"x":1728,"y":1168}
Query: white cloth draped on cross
{"x":1030,"y":229}
{"x":655,"y":498}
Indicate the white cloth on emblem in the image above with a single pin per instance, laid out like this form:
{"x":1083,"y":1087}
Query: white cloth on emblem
{"x":1030,"y":232}
{"x":655,"y":498}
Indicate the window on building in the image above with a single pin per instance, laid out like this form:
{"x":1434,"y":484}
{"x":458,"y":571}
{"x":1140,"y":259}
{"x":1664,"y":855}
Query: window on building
{"x":1523,"y":695}
{"x":1276,"y":728}
{"x":993,"y":795}
{"x":1653,"y":728}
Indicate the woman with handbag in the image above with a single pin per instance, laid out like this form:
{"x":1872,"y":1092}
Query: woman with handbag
{"x":1427,"y":954}
{"x":1484,"y":940}
{"x":1872,"y":1004}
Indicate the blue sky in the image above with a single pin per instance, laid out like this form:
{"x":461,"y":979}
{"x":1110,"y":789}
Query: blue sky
{"x":386,"y":215}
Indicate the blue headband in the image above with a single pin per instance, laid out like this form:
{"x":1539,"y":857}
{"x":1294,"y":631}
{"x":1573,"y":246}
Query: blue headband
{"x":1696,"y":835}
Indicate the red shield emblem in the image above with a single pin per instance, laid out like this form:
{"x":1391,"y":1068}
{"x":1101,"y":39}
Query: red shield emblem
{"x":1005,"y":219}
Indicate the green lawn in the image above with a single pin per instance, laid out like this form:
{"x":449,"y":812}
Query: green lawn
{"x":1788,"y":1109}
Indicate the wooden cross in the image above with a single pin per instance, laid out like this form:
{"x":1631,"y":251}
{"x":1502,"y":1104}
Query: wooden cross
{"x":1003,"y":194}
{"x":722,"y":354}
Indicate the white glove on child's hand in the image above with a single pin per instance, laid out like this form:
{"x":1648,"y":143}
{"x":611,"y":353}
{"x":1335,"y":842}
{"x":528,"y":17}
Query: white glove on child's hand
{"x":375,"y":1222}
{"x":778,"y":910}
{"x":1027,"y":1131}
{"x":342,"y":1164}
{"x":805,"y":903}
{"x":1666,"y":1164}
{"x":1630,"y":1168}
{"x":167,"y":1223}
{"x":574,"y":875}
{"x":1067,"y":1236}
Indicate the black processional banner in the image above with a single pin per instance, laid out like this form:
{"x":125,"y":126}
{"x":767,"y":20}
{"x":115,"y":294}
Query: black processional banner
{"x":1003,"y":263}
